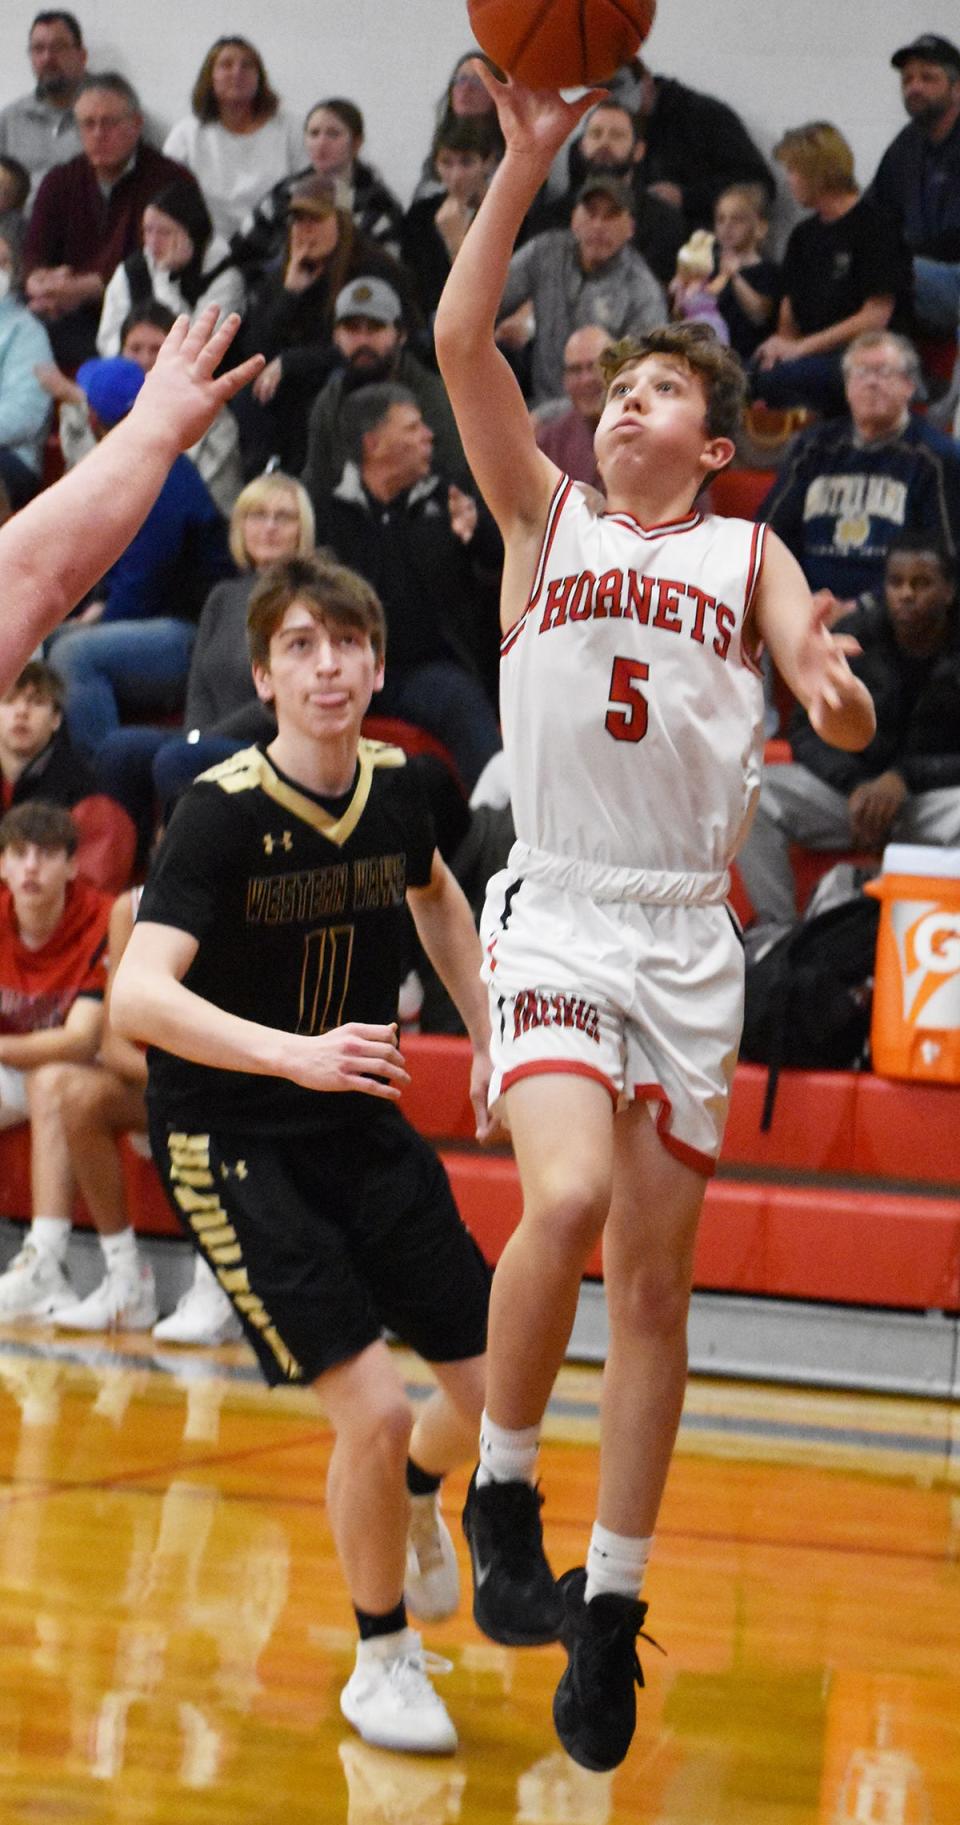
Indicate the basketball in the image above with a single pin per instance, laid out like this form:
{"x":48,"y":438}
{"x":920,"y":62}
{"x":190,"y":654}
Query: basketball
{"x":560,"y":44}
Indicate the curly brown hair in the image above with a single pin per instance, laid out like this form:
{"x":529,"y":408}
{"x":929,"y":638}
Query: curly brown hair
{"x":700,"y":350}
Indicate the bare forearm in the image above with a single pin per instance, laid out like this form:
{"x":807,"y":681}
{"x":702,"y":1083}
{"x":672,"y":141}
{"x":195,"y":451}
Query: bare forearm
{"x":874,"y":315}
{"x":54,"y":1045}
{"x":448,"y":935}
{"x":156,"y":1009}
{"x":753,"y":303}
{"x":58,"y":547}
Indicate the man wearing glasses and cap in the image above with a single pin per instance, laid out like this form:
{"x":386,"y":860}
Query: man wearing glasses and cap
{"x":917,"y":184}
{"x":370,"y":337}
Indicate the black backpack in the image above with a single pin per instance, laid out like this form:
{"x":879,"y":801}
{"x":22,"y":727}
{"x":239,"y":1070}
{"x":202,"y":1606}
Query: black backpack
{"x":808,"y":995}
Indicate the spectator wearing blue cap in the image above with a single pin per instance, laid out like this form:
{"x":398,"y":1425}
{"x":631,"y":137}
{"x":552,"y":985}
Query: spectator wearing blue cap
{"x":917,"y":185}
{"x":127,"y":653}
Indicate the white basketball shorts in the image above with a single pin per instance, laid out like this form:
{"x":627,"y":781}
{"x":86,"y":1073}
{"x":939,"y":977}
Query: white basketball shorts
{"x":646,"y":998}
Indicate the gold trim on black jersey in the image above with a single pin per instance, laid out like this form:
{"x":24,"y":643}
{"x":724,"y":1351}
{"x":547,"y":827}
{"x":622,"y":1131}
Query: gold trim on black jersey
{"x":251,"y":768}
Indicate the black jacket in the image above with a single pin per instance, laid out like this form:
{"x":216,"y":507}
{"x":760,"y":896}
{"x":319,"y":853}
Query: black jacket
{"x":426,"y":578}
{"x":918,"y":711}
{"x":699,"y":143}
{"x":58,"y":774}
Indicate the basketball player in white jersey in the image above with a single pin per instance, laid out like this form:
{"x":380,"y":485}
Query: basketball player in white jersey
{"x":633,"y":725}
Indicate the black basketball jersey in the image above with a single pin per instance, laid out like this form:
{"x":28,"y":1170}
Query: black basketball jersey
{"x":297,"y":905}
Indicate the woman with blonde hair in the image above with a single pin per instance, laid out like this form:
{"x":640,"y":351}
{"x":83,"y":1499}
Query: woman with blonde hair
{"x":238,"y":140}
{"x":844,"y":272}
{"x":143,"y":768}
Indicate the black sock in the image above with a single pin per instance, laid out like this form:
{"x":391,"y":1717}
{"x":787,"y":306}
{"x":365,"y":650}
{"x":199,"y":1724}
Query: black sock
{"x":420,"y":1482}
{"x":390,"y":1624}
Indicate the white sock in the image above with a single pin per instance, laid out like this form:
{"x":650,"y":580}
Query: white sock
{"x":389,"y":1647}
{"x":615,"y":1563}
{"x":51,"y":1234}
{"x":505,"y":1456}
{"x":121,"y":1250}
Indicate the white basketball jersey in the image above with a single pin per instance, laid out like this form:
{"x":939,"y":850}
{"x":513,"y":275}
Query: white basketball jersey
{"x":632,"y":710}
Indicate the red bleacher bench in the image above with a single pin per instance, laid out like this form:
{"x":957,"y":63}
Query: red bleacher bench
{"x":785,"y":1217}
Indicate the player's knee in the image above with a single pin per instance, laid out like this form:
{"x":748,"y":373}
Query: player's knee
{"x":651,"y":1301}
{"x":569,"y":1213}
{"x":383,"y":1429}
{"x":81,"y":1093}
{"x":45,"y":1088}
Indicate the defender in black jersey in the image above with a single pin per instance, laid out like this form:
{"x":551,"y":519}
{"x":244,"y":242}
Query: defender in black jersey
{"x":264,"y":971}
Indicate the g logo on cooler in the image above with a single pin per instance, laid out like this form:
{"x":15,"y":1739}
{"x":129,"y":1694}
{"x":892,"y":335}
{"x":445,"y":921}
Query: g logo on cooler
{"x":936,"y":943}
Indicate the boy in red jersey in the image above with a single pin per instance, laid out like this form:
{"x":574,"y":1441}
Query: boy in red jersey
{"x":53,"y":936}
{"x":632,"y":717}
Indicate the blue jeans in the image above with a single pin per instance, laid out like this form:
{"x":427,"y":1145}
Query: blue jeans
{"x":936,"y":294}
{"x":115,"y":668}
{"x":812,"y":380}
{"x":447,"y":701}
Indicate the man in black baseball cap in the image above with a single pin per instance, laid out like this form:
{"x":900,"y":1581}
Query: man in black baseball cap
{"x":917,"y":184}
{"x":928,"y":48}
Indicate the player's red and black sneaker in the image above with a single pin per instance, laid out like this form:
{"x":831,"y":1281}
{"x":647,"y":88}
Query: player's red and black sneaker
{"x":595,"y":1704}
{"x":515,"y":1595}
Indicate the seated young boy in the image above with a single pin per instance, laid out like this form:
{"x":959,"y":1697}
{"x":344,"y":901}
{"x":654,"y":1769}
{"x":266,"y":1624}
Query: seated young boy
{"x":53,"y":939}
{"x":38,"y":760}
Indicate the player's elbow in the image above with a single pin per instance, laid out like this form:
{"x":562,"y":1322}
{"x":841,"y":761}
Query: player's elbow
{"x":126,"y":1005}
{"x":456,"y":340}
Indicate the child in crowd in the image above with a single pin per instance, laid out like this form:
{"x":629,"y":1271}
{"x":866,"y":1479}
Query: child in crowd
{"x":745,"y":284}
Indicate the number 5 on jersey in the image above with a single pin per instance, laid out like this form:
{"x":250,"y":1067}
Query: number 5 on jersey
{"x":626,"y":718}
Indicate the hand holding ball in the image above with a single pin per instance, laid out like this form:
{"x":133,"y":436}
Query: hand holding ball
{"x":560,"y":44}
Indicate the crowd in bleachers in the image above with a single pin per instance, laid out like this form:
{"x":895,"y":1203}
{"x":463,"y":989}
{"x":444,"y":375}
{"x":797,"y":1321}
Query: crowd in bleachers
{"x":346,"y":440}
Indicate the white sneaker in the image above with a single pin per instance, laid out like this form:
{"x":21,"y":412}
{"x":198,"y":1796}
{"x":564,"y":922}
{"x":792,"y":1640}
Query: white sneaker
{"x":432,"y":1584}
{"x":34,"y":1285}
{"x":389,"y":1699}
{"x":123,"y":1301}
{"x":202,"y":1315}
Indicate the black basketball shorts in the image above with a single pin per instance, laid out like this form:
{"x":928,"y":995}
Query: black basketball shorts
{"x":323,"y":1240}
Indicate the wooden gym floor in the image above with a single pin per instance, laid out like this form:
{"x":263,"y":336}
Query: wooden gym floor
{"x":174,"y":1633}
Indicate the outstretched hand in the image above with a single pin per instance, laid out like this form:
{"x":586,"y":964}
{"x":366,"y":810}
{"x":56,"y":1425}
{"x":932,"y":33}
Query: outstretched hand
{"x":183,"y":393}
{"x":533,"y":120}
{"x":839,"y":705}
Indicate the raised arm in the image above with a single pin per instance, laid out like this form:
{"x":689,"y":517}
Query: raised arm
{"x":811,"y":660}
{"x":53,"y":551}
{"x":515,"y":478}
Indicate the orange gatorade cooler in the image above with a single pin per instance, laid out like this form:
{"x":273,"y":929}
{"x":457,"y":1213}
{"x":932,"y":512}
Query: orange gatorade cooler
{"x":915,"y":1030}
